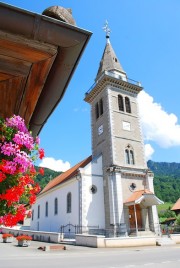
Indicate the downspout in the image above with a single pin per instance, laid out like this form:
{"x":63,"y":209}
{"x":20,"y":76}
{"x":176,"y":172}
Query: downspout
{"x":112,"y":199}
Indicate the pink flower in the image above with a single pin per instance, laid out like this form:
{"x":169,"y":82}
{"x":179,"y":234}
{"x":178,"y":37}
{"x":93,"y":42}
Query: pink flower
{"x":23,"y":160}
{"x":17,"y":122}
{"x":25,"y":139}
{"x":9,"y":148}
{"x":37,"y":141}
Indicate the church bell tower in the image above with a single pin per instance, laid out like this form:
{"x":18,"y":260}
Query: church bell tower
{"x":116,"y":135}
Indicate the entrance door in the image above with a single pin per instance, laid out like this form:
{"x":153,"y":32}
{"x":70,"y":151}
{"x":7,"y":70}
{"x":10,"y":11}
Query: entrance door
{"x":132,"y":219}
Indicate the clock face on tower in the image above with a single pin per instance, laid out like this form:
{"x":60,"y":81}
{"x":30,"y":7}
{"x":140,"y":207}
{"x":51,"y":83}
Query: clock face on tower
{"x":100,"y":130}
{"x":126,"y":126}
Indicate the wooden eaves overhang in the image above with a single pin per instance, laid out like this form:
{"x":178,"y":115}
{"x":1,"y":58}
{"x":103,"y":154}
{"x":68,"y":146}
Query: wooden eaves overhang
{"x":38,"y":56}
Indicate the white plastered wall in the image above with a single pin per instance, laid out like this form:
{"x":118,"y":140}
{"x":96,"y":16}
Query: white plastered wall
{"x":52,"y":222}
{"x":93,"y":204}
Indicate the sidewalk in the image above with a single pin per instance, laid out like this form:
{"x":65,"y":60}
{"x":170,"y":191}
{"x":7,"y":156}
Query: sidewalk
{"x":8,"y":250}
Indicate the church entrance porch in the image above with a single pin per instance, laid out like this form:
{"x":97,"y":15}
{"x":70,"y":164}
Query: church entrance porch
{"x":141,"y":216}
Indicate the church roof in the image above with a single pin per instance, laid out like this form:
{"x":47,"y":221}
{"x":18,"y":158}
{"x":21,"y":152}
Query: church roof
{"x":176,"y":205}
{"x":70,"y":173}
{"x":109,"y":61}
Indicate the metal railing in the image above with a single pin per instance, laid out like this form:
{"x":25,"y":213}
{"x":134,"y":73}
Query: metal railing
{"x":70,"y":230}
{"x":116,"y":76}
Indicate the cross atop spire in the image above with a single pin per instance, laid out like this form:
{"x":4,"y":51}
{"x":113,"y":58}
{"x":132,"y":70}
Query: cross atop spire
{"x":107,"y":29}
{"x":109,"y":60}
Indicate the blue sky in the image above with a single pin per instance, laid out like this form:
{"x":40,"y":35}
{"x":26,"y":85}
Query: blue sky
{"x":145,"y":37}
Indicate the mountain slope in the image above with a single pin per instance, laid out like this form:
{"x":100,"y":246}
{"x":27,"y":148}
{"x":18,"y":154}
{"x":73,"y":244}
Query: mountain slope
{"x":166,"y":180}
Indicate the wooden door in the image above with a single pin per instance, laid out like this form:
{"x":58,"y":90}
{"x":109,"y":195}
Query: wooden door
{"x":132,"y":220}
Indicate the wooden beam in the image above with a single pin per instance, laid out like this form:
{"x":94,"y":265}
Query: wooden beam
{"x":29,"y":50}
{"x":14,"y":66}
{"x":34,"y":86}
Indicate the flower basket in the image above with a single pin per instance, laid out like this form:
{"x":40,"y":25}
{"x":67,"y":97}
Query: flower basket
{"x":7,"y":238}
{"x":18,"y":152}
{"x":24,"y":240}
{"x":24,"y":243}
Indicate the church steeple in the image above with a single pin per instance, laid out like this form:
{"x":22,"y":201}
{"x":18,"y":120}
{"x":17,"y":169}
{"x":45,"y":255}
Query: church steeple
{"x":109,"y":61}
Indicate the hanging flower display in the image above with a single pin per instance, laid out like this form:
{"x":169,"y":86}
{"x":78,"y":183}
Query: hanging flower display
{"x":18,"y":152}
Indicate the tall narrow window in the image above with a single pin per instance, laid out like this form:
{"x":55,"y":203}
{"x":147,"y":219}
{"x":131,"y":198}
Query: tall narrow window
{"x":131,"y":157}
{"x":32,"y":217}
{"x":128,"y":105}
{"x":69,"y":199}
{"x":127,"y":156}
{"x":55,"y":206}
{"x":97,"y":110}
{"x":101,"y":106}
{"x":46,"y":209}
{"x":120,"y":103}
{"x":38,"y":211}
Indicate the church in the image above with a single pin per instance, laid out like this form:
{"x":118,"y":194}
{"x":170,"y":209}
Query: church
{"x":110,"y":192}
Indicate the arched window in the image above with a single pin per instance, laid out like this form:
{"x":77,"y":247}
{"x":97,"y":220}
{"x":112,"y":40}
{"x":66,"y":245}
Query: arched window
{"x":38,"y":211}
{"x":97,"y":110}
{"x":120,"y":103}
{"x":101,"y":106}
{"x":69,"y":201}
{"x":128,"y":105}
{"x":46,"y":209}
{"x":127,"y":156}
{"x":131,"y":153}
{"x":55,"y":206}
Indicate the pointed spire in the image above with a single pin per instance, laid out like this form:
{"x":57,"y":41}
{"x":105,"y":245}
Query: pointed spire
{"x":109,"y":61}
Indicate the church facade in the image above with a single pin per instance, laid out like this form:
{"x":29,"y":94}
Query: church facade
{"x":110,"y":192}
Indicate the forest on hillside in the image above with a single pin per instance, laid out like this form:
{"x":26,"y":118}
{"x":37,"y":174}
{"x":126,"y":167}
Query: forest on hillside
{"x":49,"y":174}
{"x":166,"y":179}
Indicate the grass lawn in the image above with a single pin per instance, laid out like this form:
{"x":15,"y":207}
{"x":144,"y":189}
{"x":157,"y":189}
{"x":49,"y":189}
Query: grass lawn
{"x":164,"y":206}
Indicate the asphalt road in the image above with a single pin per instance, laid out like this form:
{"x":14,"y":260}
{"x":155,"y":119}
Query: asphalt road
{"x":12,"y":256}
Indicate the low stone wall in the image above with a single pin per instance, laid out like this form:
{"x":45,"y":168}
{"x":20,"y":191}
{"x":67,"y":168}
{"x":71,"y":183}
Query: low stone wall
{"x":102,"y":242}
{"x":176,"y":238}
{"x":95,"y":241}
{"x":130,"y":242}
{"x":36,"y":235}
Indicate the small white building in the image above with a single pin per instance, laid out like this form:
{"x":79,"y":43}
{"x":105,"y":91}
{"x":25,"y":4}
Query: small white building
{"x":112,"y":192}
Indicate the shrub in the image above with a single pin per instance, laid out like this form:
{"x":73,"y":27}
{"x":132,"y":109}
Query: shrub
{"x":7,"y":235}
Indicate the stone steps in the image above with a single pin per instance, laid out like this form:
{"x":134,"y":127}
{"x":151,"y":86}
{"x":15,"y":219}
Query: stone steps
{"x":142,"y":233}
{"x":165,"y":241}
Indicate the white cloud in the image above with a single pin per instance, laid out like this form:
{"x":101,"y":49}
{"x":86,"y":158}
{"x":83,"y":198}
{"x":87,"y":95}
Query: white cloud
{"x":56,"y":165}
{"x":157,"y":124}
{"x":84,"y":110}
{"x":148,"y":151}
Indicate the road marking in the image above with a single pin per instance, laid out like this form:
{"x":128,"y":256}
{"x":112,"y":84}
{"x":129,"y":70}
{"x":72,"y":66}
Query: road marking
{"x":149,"y":263}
